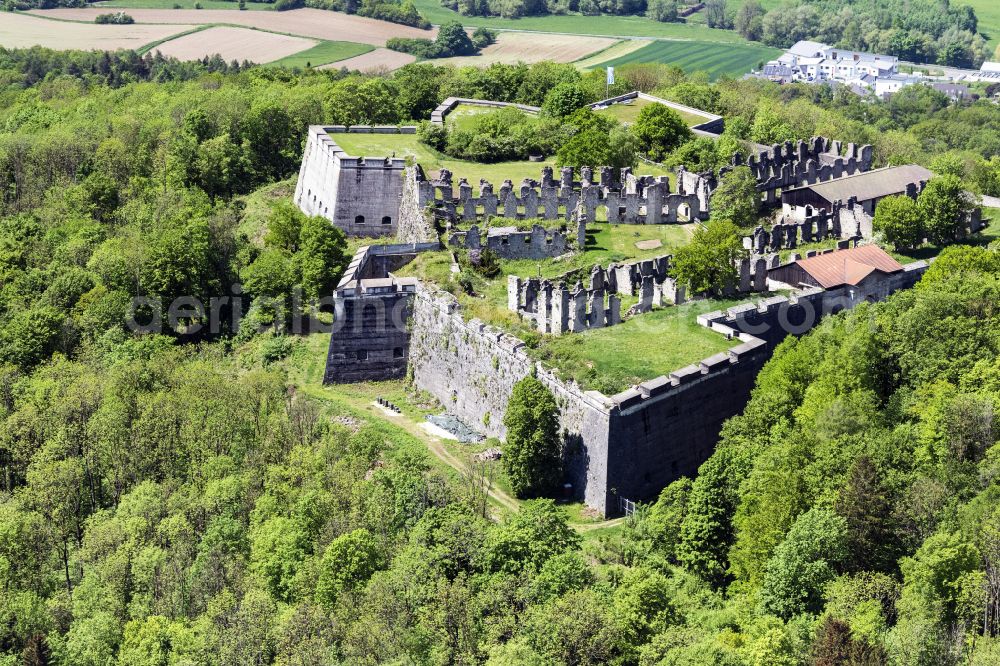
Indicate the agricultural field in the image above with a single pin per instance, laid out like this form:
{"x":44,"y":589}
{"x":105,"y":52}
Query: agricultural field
{"x":377,"y":60}
{"x":616,"y":50}
{"x":707,"y":57}
{"x":310,"y":23}
{"x":578,"y":24}
{"x":184,"y":4}
{"x":512,"y":47}
{"x":234,"y":44}
{"x":21,"y":30}
{"x":325,"y":53}
{"x":628,"y":112}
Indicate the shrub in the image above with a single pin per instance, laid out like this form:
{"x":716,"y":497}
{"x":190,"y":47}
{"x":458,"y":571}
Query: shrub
{"x":422,"y":48}
{"x":452,"y":40}
{"x":435,"y":136}
{"x":118,"y":18}
{"x":483,"y":37}
{"x":285,"y":5}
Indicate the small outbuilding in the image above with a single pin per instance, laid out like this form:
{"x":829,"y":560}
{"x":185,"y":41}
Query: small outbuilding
{"x":867,"y":189}
{"x":865,"y":267}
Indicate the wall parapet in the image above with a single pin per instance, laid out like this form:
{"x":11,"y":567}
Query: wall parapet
{"x":449,"y":104}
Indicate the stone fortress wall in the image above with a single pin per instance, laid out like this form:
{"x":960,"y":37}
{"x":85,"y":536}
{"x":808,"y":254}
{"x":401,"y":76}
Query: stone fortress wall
{"x":370,"y":341}
{"x":626,"y":446}
{"x":360,"y":195}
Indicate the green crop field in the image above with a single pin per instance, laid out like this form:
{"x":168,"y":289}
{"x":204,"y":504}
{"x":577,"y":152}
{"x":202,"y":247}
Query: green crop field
{"x":323,"y":53}
{"x":735,"y":59}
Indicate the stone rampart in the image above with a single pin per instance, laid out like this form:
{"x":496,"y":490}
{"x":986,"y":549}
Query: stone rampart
{"x":360,"y":195}
{"x":370,"y":340}
{"x":471,"y":368}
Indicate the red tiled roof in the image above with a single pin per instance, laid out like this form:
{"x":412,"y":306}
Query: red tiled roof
{"x":849,"y":266}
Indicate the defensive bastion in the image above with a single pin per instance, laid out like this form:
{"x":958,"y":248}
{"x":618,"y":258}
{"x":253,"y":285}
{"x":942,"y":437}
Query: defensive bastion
{"x":620,"y":448}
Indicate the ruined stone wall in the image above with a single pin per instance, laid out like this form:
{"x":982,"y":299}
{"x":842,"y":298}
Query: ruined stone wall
{"x":416,"y":223}
{"x":791,"y":164}
{"x":512,"y":243}
{"x":471,"y":368}
{"x":621,"y":196}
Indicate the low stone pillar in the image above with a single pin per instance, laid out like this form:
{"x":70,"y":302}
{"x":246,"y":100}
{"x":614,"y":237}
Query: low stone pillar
{"x":560,"y":310}
{"x":614,"y":309}
{"x":646,"y":294}
{"x":513,"y":293}
{"x":597,"y":308}
{"x":578,"y":309}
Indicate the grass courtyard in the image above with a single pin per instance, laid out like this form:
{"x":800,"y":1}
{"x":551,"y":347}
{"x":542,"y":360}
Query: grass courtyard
{"x":463,"y":116}
{"x":627,"y":112}
{"x":609,"y":359}
{"x":407,"y":145}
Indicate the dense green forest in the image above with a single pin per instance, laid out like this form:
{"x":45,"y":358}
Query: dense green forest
{"x":184,"y":498}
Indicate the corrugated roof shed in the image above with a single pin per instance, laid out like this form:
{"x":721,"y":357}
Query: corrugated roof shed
{"x":849,"y":266}
{"x":871,"y":184}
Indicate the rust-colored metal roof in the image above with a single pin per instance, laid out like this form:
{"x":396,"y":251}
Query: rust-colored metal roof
{"x":849,"y":266}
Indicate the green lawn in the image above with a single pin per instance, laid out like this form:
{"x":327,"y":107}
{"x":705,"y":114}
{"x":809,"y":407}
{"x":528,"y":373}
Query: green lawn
{"x":322,"y":54}
{"x":647,"y":346}
{"x":627,"y":113}
{"x":700,"y":56}
{"x":988,"y":13}
{"x":406,"y":145}
{"x":463,"y":115}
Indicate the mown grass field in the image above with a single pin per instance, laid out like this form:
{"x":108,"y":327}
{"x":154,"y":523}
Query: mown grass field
{"x":324,"y":53}
{"x":734,"y":59}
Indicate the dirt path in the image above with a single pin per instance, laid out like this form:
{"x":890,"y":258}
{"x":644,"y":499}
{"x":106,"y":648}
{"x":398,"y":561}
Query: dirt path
{"x":434,"y":444}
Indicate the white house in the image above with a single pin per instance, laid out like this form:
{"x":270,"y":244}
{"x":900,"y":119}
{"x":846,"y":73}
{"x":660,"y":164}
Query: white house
{"x":814,"y":61}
